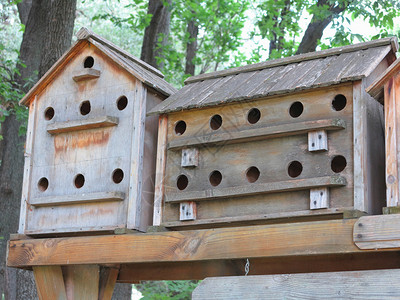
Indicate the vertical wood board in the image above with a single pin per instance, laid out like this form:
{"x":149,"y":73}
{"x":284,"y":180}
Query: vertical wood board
{"x":49,"y":283}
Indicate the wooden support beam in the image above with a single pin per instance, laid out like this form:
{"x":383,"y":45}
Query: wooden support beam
{"x":49,"y":283}
{"x":375,"y":284}
{"x":81,"y":282}
{"x":108,"y":278}
{"x":278,"y":240}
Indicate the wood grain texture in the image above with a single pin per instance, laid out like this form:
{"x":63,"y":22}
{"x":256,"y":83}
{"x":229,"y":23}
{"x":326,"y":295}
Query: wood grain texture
{"x":30,"y":137}
{"x":97,"y":122}
{"x":49,"y":283}
{"x":108,"y":278}
{"x":136,"y":157}
{"x":77,"y":199}
{"x":319,"y":198}
{"x":318,"y":140}
{"x":81,"y":282}
{"x":377,"y":232}
{"x":376,"y":88}
{"x":392,"y":133}
{"x":264,"y":188}
{"x":260,"y":133}
{"x":160,"y":169}
{"x":322,"y":237}
{"x":373,"y":284}
{"x":86,"y":74}
{"x":187,"y":211}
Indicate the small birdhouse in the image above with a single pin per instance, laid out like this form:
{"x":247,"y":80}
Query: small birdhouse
{"x":290,"y":138}
{"x":90,"y":150}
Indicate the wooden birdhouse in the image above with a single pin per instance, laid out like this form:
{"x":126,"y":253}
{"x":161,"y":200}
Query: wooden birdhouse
{"x":90,"y":150}
{"x":297,"y":137}
{"x":386,"y":89}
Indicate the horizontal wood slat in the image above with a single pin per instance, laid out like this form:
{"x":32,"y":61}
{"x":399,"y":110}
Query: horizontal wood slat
{"x":254,"y":189}
{"x":86,"y":74}
{"x":294,"y":239}
{"x":255,"y":134}
{"x":77,"y":199}
{"x":98,"y":122}
{"x":377,"y":232}
{"x":372,"y":284}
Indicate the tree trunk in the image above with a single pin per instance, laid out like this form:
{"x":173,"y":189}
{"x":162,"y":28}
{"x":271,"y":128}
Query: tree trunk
{"x":19,"y":284}
{"x":156,"y":34}
{"x":316,"y":28}
{"x":191,"y":47}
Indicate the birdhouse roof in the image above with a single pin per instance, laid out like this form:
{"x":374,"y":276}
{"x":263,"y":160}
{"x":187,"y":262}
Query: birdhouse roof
{"x":280,"y":76}
{"x":138,"y":68}
{"x":376,"y":88}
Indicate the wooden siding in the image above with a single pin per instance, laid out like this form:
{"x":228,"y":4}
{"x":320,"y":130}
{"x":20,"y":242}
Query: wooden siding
{"x":271,"y":156}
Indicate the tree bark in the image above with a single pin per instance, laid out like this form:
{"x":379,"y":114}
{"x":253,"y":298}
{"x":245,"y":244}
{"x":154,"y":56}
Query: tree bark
{"x":39,"y":22}
{"x":156,"y":34}
{"x":316,"y":28}
{"x":191,"y":47}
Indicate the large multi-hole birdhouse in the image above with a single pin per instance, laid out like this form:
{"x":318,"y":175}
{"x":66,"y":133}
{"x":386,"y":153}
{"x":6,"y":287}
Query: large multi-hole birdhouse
{"x":286,"y":138}
{"x":91,"y":150}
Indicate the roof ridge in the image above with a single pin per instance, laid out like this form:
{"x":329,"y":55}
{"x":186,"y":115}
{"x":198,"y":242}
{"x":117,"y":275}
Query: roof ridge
{"x":85,"y":33}
{"x":298,"y":58}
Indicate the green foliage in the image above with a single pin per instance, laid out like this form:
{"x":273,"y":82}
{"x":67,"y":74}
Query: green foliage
{"x":167,"y":290}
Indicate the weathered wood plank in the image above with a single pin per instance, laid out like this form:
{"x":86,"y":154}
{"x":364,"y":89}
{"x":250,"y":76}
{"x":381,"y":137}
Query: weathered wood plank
{"x":377,"y":232}
{"x":49,"y":283}
{"x":97,"y":122}
{"x":317,"y":141}
{"x":318,"y":238}
{"x":392,"y":131}
{"x":261,"y":188}
{"x":86,"y":74}
{"x":135,"y":178}
{"x":319,"y":198}
{"x":289,"y":129}
{"x":76,"y":199}
{"x":376,"y":88}
{"x":373,"y":284}
{"x":108,"y":278}
{"x":82,"y":282}
{"x":187,"y":211}
{"x":30,"y":137}
{"x":190,"y":157}
{"x":160,"y":169}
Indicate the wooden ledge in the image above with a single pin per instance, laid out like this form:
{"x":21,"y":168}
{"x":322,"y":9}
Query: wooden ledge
{"x":86,"y":74}
{"x":259,"y":133}
{"x":77,"y":199}
{"x":69,"y":126}
{"x":260,"y":188}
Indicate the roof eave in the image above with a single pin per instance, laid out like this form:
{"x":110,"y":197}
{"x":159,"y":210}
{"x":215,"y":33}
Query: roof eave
{"x":376,"y":88}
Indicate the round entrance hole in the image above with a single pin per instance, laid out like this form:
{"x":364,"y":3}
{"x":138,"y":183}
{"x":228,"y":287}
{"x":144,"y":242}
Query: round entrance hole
{"x":182,"y":182}
{"x":339,"y":102}
{"x":252,"y":174}
{"x":215,"y":178}
{"x":295,"y":168}
{"x":215,"y":122}
{"x":254,"y":115}
{"x":85,"y":108}
{"x":338,"y":163}
{"x":117,"y":175}
{"x":296,"y":109}
{"x":43,"y":184}
{"x":180,"y":127}
{"x":88,"y":62}
{"x":122,"y":102}
{"x":49,"y":113}
{"x":79,"y":181}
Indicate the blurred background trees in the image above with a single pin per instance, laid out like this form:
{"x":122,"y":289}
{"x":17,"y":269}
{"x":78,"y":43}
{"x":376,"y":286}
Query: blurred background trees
{"x":180,"y":37}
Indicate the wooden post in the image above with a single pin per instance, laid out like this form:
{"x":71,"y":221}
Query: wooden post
{"x":75,"y":282}
{"x":392,"y":130}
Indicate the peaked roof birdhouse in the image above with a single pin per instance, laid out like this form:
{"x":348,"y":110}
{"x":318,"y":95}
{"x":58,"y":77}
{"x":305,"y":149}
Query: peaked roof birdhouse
{"x":90,"y":150}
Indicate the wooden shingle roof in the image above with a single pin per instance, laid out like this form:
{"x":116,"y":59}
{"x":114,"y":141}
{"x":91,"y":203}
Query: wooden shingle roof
{"x":138,"y":68}
{"x":280,"y":76}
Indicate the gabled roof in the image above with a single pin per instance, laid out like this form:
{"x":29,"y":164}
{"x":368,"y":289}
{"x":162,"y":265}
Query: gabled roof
{"x":376,"y":88}
{"x":138,"y":68}
{"x":280,"y":76}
